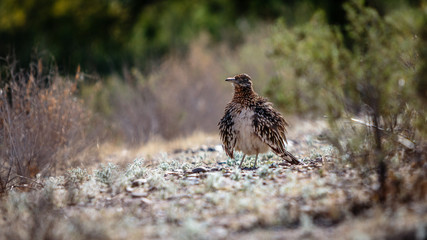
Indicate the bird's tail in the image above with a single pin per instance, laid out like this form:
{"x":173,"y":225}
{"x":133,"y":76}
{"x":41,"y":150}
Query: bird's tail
{"x":290,"y":158}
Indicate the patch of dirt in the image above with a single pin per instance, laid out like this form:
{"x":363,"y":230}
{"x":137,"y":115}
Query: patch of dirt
{"x":199,"y":193}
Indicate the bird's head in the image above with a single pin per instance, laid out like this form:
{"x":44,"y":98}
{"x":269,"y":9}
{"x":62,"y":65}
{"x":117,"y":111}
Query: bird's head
{"x":241,"y":80}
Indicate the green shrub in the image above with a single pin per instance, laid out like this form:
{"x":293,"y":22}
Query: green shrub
{"x":308,"y":56}
{"x":107,"y":174}
{"x":364,"y":82}
{"x":77,"y":175}
{"x":374,"y":78}
{"x":136,"y":169}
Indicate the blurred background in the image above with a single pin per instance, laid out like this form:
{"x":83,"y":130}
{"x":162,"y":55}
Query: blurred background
{"x":127,"y":70}
{"x":105,"y":36}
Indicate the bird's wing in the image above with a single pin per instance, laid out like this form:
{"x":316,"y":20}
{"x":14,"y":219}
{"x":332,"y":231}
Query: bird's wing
{"x":270,"y":126}
{"x":227,"y":132}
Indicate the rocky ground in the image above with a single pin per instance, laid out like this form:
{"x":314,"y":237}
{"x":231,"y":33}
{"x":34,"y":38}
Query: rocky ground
{"x":199,"y":193}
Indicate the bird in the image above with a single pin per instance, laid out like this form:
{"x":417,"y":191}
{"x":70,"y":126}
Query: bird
{"x":251,"y":125}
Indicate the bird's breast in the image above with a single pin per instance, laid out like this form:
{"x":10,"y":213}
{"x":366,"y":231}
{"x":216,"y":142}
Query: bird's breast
{"x":244,"y":121}
{"x":246,"y":140}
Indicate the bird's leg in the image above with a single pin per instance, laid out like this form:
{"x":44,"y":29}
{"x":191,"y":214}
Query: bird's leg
{"x":243,"y":158}
{"x":256,"y":158}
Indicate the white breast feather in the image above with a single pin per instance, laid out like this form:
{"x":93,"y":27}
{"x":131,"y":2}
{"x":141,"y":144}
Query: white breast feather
{"x":247,"y":141}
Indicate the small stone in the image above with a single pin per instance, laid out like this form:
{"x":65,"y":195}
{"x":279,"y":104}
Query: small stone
{"x":193,"y":175}
{"x":211,"y":149}
{"x":139,"y":182}
{"x":139,"y":194}
{"x":199,"y":170}
{"x":172,"y":173}
{"x":146,"y":201}
{"x":219,"y":148}
{"x":179,"y":150}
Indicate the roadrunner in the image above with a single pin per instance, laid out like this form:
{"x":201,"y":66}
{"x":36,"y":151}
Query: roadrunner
{"x":251,"y":125}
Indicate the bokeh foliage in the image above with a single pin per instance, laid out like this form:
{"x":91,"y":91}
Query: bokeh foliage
{"x":369,"y":85}
{"x":104,"y":35}
{"x":376,"y":73}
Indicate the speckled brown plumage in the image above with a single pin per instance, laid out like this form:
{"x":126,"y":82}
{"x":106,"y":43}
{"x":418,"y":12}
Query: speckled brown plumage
{"x":250,"y":124}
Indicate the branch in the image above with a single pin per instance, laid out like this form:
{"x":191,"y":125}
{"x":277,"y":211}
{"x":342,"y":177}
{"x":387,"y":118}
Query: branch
{"x":400,"y":139}
{"x":32,"y":180}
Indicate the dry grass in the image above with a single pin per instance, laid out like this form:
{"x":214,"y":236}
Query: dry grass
{"x":120,"y":154}
{"x":42,"y":126}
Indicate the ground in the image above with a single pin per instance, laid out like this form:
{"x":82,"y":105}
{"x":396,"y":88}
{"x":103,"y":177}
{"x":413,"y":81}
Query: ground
{"x":189,"y":189}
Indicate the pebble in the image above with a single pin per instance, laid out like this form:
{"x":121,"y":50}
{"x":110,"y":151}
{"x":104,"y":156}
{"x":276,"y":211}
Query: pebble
{"x":199,"y":170}
{"x":146,"y":201}
{"x":193,"y":175}
{"x":216,"y":148}
{"x":172,"y":173}
{"x":211,"y":149}
{"x":139,"y":194}
{"x":139,"y":182}
{"x":219,"y":148}
{"x":179,"y":150}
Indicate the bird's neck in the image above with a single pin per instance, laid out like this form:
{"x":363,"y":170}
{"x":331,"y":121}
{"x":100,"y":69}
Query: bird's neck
{"x":243,"y":94}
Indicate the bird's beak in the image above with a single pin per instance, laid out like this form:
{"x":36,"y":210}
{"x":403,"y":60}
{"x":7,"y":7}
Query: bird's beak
{"x":231,"y":79}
